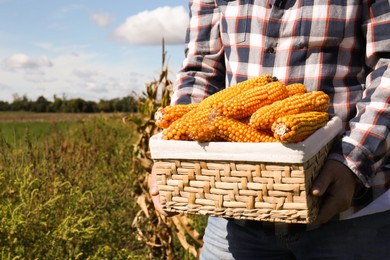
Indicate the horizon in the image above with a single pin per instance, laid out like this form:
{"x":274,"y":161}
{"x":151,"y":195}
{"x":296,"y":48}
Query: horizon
{"x":62,"y":97}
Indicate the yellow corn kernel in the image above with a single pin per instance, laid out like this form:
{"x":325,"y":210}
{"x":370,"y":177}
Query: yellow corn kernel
{"x":199,"y":125}
{"x":296,"y":88}
{"x":247,"y":102}
{"x":188,"y":126}
{"x":232,"y":130}
{"x":296,"y":128}
{"x":164,"y":116}
{"x":227,"y":93}
{"x":264,"y":117}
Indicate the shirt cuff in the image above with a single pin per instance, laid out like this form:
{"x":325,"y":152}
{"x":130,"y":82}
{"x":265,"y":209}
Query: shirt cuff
{"x":354,"y":165}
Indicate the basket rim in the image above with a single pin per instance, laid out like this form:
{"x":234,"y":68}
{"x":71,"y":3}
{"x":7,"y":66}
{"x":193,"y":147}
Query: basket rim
{"x":228,"y":151}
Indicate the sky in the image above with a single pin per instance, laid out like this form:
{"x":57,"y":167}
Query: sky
{"x":89,"y":49}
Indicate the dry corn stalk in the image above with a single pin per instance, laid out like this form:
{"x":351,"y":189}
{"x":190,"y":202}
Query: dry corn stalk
{"x":296,"y":128}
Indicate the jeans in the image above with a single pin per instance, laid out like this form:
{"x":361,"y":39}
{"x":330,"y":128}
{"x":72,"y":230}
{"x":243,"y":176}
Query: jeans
{"x":366,"y":237}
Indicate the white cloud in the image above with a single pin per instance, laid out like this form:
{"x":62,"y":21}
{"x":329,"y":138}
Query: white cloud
{"x":85,"y":73}
{"x":77,"y":71}
{"x":86,"y":77}
{"x":4,"y":87}
{"x":149,"y":27}
{"x":23,"y":61}
{"x":39,"y":79}
{"x":101,"y":19}
{"x":93,"y":87}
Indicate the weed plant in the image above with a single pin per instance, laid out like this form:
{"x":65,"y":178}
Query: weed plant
{"x":70,"y":194}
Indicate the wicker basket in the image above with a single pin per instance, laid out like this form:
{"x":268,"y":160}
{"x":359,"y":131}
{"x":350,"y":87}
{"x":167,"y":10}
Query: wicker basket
{"x":267,"y":182}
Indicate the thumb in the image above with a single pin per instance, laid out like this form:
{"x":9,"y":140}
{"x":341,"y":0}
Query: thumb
{"x":153,"y":187}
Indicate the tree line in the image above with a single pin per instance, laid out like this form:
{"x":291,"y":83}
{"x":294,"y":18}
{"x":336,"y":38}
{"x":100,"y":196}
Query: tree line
{"x":75,"y":105}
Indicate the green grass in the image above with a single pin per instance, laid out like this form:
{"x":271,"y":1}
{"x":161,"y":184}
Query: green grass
{"x":14,"y":132}
{"x":66,"y":191}
{"x":14,"y":126}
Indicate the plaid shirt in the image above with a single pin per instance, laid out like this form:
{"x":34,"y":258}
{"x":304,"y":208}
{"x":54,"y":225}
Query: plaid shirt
{"x":339,"y":47}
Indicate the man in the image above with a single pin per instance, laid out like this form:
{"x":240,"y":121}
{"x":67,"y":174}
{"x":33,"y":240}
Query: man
{"x":339,"y":47}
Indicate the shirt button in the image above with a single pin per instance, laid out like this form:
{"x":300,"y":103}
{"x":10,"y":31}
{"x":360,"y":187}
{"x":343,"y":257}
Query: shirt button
{"x":270,"y":50}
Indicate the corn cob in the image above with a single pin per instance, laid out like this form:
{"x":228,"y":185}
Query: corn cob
{"x":264,"y":117}
{"x":227,"y":93}
{"x":296,"y":128}
{"x":194,"y":124}
{"x":296,"y":88}
{"x":247,"y":102}
{"x":232,"y":130}
{"x":188,"y":126}
{"x":164,"y":116}
{"x":245,"y":120}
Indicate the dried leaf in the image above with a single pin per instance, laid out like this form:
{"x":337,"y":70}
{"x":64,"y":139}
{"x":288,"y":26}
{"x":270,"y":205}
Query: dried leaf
{"x":141,"y":201}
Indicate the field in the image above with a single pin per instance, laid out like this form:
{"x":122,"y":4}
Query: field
{"x":15,"y":125}
{"x":74,"y":186}
{"x":66,"y":184}
{"x":6,"y":117}
{"x":71,"y":188}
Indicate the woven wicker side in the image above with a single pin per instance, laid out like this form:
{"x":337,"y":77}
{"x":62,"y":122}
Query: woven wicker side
{"x":243,"y":190}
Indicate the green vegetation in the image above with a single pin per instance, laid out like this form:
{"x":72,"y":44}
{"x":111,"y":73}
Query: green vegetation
{"x":14,"y":133}
{"x":69,"y":195}
{"x":14,"y":125}
{"x":71,"y":190}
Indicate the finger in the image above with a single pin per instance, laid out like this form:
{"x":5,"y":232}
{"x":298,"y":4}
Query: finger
{"x":154,"y":192}
{"x":325,"y":214}
{"x":152,"y":180}
{"x":321,"y":183}
{"x":324,"y":183}
{"x":337,"y":183}
{"x":153,"y":189}
{"x":330,"y":207}
{"x":157,"y":205}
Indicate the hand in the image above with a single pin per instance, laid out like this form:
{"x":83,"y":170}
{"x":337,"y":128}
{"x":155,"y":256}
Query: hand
{"x":336,"y":183}
{"x":154,"y":192}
